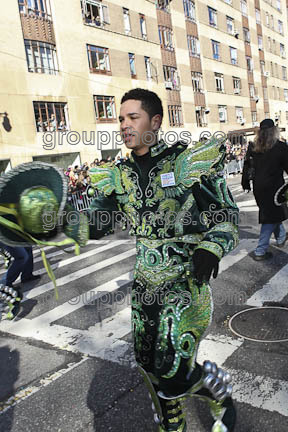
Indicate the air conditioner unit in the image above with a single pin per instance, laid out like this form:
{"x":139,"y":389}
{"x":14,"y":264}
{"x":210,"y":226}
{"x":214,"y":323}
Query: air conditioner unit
{"x":236,"y":91}
{"x":256,"y":99}
{"x":255,"y":124}
{"x":267,"y":74}
{"x":168,"y":85}
{"x":243,"y":121}
{"x":236,"y":33}
{"x":207,"y":110}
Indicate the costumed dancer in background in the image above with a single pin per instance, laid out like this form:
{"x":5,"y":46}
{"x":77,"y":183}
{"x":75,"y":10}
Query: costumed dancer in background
{"x":178,"y":206}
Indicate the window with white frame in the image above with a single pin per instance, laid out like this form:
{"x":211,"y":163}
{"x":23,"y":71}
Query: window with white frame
{"x":219,"y":81}
{"x":148,"y":68}
{"x":98,"y":59}
{"x":278,"y":5}
{"x":171,"y":78}
{"x":246,"y":34}
{"x":200,"y":117}
{"x":189,"y":10}
{"x":243,"y":6}
{"x":254,"y":116}
{"x":233,"y":55}
{"x":228,"y":2}
{"x":282,"y":50}
{"x":272,"y":22}
{"x":230,"y":25}
{"x":278,"y":93}
{"x":239,"y":114}
{"x":284,"y":73}
{"x":280,"y":27}
{"x":222,"y":111}
{"x":269,"y":44}
{"x":274,"y":46}
{"x":267,"y":19}
{"x":285,"y":91}
{"x":272,"y":68}
{"x":258,"y":16}
{"x":276,"y":70}
{"x":126,"y":18}
{"x":215,"y":50}
{"x":41,"y":57}
{"x":251,"y":90}
{"x":236,"y":85}
{"x":193,"y":46}
{"x":262,"y":66}
{"x":40,"y":8}
{"x":197,"y":81}
{"x":95,"y":13}
{"x":166,"y":37}
{"x":132,"y":64}
{"x":249,"y":64}
{"x":260,"y":42}
{"x":212,"y":17}
{"x":143,"y":26}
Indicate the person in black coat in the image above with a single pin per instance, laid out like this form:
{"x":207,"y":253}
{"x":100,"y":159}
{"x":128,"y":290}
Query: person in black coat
{"x":266,"y":160}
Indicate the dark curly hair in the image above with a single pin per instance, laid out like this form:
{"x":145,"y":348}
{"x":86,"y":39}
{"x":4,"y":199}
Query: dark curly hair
{"x":150,"y":101}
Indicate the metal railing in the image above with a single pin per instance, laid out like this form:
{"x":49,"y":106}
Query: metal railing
{"x":80,"y":200}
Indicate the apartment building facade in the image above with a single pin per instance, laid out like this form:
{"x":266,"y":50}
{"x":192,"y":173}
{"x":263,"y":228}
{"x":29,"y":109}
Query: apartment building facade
{"x":65,"y":66}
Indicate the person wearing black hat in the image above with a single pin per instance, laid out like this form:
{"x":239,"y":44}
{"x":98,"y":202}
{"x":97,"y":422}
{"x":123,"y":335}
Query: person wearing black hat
{"x":266,"y":160}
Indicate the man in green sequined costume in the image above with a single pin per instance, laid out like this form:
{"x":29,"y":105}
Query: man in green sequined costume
{"x":178,"y":206}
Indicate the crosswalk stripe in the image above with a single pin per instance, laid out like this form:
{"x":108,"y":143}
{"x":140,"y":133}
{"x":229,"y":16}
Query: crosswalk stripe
{"x":244,"y":247}
{"x":87,"y":298}
{"x":273,"y":291}
{"x":78,"y":274}
{"x":247,"y":203}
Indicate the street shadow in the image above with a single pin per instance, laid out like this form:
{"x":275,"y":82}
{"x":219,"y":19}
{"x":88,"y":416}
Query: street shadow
{"x":9,"y":372}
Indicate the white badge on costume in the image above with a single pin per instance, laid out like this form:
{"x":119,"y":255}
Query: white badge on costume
{"x":168,"y":179}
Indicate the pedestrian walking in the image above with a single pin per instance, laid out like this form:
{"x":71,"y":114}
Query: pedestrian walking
{"x":265,"y":162}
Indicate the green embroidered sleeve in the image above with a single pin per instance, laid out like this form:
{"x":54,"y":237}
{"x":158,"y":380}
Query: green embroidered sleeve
{"x":102,"y":216}
{"x":219,"y":212}
{"x":106,"y":179}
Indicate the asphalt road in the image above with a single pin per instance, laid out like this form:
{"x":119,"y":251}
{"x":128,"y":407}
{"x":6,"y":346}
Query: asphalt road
{"x":68,"y":365}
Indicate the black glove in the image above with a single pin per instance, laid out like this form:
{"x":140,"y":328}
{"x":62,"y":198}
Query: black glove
{"x":204,"y":264}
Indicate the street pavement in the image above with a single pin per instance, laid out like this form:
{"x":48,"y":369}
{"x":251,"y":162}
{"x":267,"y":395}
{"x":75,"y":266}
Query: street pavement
{"x":68,"y":365}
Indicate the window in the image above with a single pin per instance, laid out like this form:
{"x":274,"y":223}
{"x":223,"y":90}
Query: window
{"x":272,"y":69}
{"x":163,"y":5}
{"x":132,"y":64}
{"x":249,"y":64}
{"x":239,"y":114}
{"x":246,"y":34}
{"x":222,"y":111}
{"x":278,"y":5}
{"x":280,"y":27}
{"x":286,"y":116}
{"x":50,"y":116}
{"x":165,"y":37}
{"x":243,"y":6}
{"x":127,"y":25}
{"x":212,"y":17}
{"x":105,"y":108}
{"x":171,"y":78}
{"x":286,"y":95}
{"x":274,"y":46}
{"x":95,"y":13}
{"x":143,"y":27}
{"x":265,"y":93}
{"x":278,"y":93}
{"x":201,"y":117}
{"x":148,"y":68}
{"x":228,"y":1}
{"x":276,"y":70}
{"x":258,"y":16}
{"x":197,"y":81}
{"x":98,"y":58}
{"x":267,"y":19}
{"x":233,"y":55}
{"x":284,"y":73}
{"x":236,"y":85}
{"x":272,"y":22}
{"x":269,"y":44}
{"x":216,"y":50}
{"x":282,"y":51}
{"x":189,"y":9}
{"x":262,"y":66}
{"x":41,"y":57}
{"x":254,"y":116}
{"x":219,"y":81}
{"x":251,"y":90}
{"x":230,"y":25}
{"x":175,"y":115}
{"x":193,"y":46}
{"x":39,"y":8}
{"x":260,"y":42}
